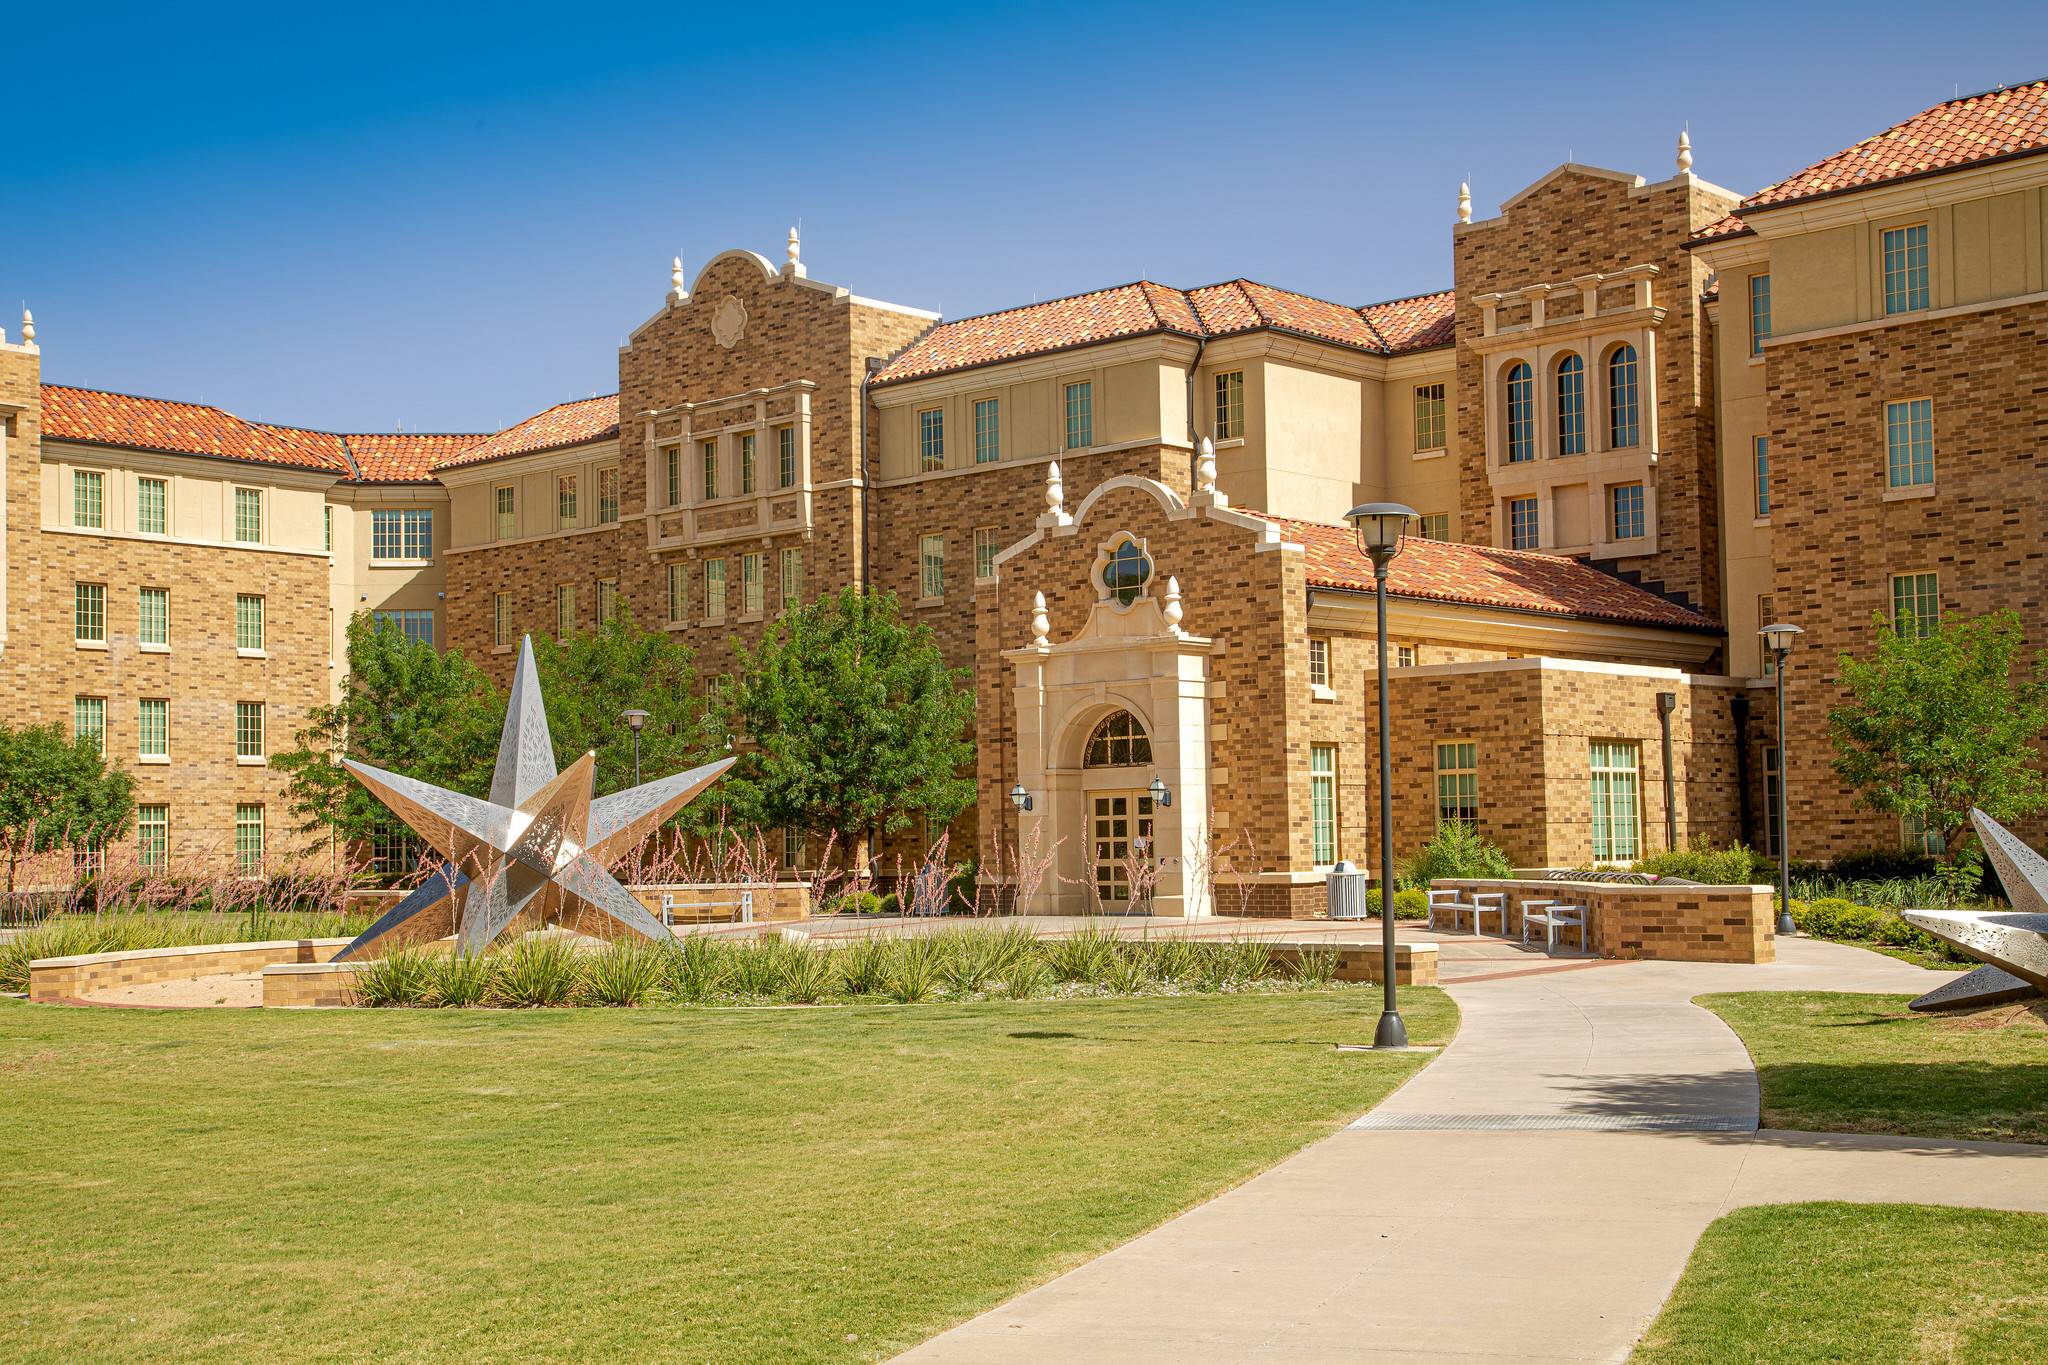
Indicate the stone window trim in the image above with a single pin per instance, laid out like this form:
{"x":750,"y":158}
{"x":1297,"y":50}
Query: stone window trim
{"x":1132,"y":554}
{"x":1319,"y":688}
{"x":1568,"y":395}
{"x":1905,"y":274}
{"x":153,"y":505}
{"x":1077,"y":414}
{"x":931,"y":569}
{"x":1227,"y":415}
{"x":1432,"y":424}
{"x":987,"y":410}
{"x":931,"y":439}
{"x":1897,"y":415}
{"x":986,"y":547}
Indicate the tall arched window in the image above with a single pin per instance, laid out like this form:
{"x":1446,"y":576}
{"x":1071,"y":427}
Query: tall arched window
{"x":1624,"y":409}
{"x":1521,"y":404}
{"x":1571,"y":405}
{"x":1118,"y":742}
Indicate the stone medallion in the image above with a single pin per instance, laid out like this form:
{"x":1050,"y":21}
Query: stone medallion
{"x":729,"y":322}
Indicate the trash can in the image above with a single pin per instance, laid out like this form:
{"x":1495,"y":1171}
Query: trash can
{"x":1347,"y":892}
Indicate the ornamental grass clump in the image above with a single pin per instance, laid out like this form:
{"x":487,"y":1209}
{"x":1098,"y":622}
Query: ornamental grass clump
{"x":402,"y":979}
{"x":1081,"y":958}
{"x":807,"y":976}
{"x":622,"y":974}
{"x":695,"y":970}
{"x":461,"y":980}
{"x":1027,"y":979}
{"x":1315,"y":966}
{"x":969,"y":959}
{"x":1126,"y":970}
{"x":1174,"y":960}
{"x":538,"y":973}
{"x":914,"y":976}
{"x":864,"y":965}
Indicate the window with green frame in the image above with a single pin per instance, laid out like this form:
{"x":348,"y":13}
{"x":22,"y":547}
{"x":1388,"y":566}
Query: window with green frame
{"x":89,"y":498}
{"x":1909,"y":443}
{"x":1434,"y":526}
{"x":931,"y":567}
{"x":248,"y":621}
{"x":153,"y":616}
{"x":1322,"y":800}
{"x":1429,"y":417}
{"x":753,"y":589}
{"x":248,"y":729}
{"x":152,"y":502}
{"x":89,"y":613}
{"x":1617,"y":801}
{"x":1457,"y":782}
{"x":931,"y":439}
{"x":678,"y":592}
{"x":1916,"y":604}
{"x":988,"y":430}
{"x":1919,"y":837}
{"x":1230,"y":405}
{"x":785,"y":457}
{"x":792,"y":576}
{"x":1761,"y":455}
{"x":565,"y":502}
{"x":508,"y":512}
{"x":152,"y":836}
{"x":249,"y":839}
{"x":1759,"y":312}
{"x":249,"y":515}
{"x":89,"y":721}
{"x":1080,"y":410}
{"x":714,"y":589}
{"x":153,"y":727}
{"x":1905,"y":268}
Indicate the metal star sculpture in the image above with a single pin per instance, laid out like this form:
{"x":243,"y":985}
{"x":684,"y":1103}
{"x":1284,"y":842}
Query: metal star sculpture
{"x":2012,"y":944}
{"x":540,"y":847}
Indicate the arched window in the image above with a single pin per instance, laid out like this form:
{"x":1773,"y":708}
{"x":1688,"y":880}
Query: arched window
{"x":1125,"y":574}
{"x":1571,"y":405}
{"x":1118,"y":742}
{"x":1521,"y":413}
{"x":1624,"y":409}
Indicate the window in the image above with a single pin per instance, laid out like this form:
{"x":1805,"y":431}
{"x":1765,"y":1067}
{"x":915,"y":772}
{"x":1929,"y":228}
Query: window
{"x":249,"y":515}
{"x":501,"y":618}
{"x":153,"y":727}
{"x":753,"y":592}
{"x":1117,"y":742}
{"x":1318,"y":662}
{"x":985,"y":548}
{"x":1761,"y":459}
{"x":1759,"y":312}
{"x":404,"y":534}
{"x":1230,"y":405}
{"x":1625,"y":511}
{"x":792,"y":848}
{"x":88,"y":498}
{"x":785,"y":457}
{"x":607,"y":599}
{"x":988,"y":430}
{"x":1434,"y":526}
{"x":152,"y":505}
{"x":674,"y":476}
{"x":415,"y":625}
{"x":508,"y":512}
{"x":678,"y":592}
{"x":1322,"y":803}
{"x":249,"y":839}
{"x":792,"y":576}
{"x":248,"y":621}
{"x":565,"y":610}
{"x":1457,"y":783}
{"x":1429,"y":417}
{"x":1766,"y":613}
{"x":248,"y":729}
{"x":1571,"y":405}
{"x":1616,"y":807}
{"x":1080,"y":415}
{"x":1905,"y":268}
{"x":153,"y":617}
{"x":1909,"y":443}
{"x":1772,"y":830}
{"x":746,"y":462}
{"x":1521,"y":404}
{"x":152,"y":836}
{"x":931,"y":439}
{"x":89,"y":721}
{"x":1916,"y":604}
{"x":1126,"y":573}
{"x":89,"y":613}
{"x":394,"y":850}
{"x":1624,"y":409}
{"x":1523,"y":530}
{"x":931,"y":565}
{"x":707,"y":459}
{"x":565,"y":502}
{"x":1404,"y":656}
{"x":714,"y":589}
{"x":1919,"y":838}
{"x":327,"y":529}
{"x":607,"y":497}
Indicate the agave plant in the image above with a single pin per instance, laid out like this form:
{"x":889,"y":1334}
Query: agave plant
{"x":1315,"y":965}
{"x":622,"y":974}
{"x":864,"y":965}
{"x":1027,"y":978}
{"x":403,"y":978}
{"x":537,"y":973}
{"x":1082,"y":957}
{"x":807,"y":975}
{"x":461,"y":980}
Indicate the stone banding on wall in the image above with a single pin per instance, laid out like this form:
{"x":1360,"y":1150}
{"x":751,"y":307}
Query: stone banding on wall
{"x":1667,"y":923}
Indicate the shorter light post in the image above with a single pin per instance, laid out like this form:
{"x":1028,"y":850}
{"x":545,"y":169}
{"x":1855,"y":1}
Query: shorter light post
{"x":1380,"y":528}
{"x":634,"y":720}
{"x":1779,"y":639}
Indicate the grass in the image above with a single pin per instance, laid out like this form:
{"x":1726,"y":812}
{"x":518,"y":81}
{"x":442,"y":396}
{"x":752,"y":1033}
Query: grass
{"x":1859,"y":1282}
{"x":1865,"y":1064}
{"x":826,"y":1184}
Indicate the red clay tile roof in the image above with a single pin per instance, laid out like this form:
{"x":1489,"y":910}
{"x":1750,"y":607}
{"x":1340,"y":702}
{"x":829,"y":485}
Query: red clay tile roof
{"x":407,"y":456}
{"x":119,"y":419}
{"x":1145,"y":309}
{"x":1516,"y":580}
{"x":564,"y":424}
{"x":1991,"y":126}
{"x":1730,"y":226}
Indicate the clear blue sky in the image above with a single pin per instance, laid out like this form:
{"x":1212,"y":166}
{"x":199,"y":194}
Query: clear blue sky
{"x":402,"y":217}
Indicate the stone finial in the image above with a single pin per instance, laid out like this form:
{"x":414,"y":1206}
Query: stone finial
{"x":676,"y":288}
{"x":796,"y":265}
{"x":1464,"y":202}
{"x":1055,"y":490}
{"x":28,"y":328}
{"x":1684,"y":151}
{"x":1171,"y":609}
{"x":1205,"y":466}
{"x":1041,"y":624}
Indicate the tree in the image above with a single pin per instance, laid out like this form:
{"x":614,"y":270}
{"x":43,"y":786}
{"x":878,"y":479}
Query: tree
{"x":591,"y":679}
{"x":1939,"y":723}
{"x":856,"y":723}
{"x":404,"y":706}
{"x":57,"y":793}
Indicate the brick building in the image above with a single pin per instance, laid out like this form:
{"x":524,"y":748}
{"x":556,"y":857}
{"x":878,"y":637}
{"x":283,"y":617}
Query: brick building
{"x":1645,"y":418}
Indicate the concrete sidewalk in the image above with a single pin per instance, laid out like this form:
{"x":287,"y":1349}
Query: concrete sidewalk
{"x":1532,"y":1195}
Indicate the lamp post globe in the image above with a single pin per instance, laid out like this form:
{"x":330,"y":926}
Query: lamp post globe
{"x":1778,"y":641}
{"x":1380,"y":526}
{"x":635,"y":719}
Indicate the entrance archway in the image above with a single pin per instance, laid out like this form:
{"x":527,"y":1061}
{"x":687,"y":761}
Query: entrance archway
{"x":1123,"y":857}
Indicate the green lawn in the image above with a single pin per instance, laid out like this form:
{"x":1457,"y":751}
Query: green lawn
{"x":788,"y":1184}
{"x":1859,"y":1282}
{"x":1865,"y":1064}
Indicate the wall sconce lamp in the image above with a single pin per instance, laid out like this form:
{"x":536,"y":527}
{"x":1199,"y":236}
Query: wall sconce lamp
{"x":1020,"y":798}
{"x":1160,"y":795}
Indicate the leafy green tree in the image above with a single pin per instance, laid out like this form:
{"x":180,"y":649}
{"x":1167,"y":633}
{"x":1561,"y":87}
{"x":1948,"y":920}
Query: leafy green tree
{"x":591,"y":679}
{"x":1939,"y":723}
{"x":855,"y":722}
{"x":57,"y":793}
{"x":404,"y":706}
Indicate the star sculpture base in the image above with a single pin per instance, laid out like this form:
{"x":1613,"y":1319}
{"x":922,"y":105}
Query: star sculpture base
{"x":537,"y":852}
{"x":2013,"y":944}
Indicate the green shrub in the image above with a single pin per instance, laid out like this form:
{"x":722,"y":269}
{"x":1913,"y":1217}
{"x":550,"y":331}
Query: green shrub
{"x":461,"y":980}
{"x":1409,"y":903}
{"x":1881,"y":864}
{"x":1457,"y":849}
{"x":401,"y":979}
{"x":914,"y":975}
{"x":1731,"y":866}
{"x":1080,"y":957}
{"x":537,"y":973}
{"x":1027,"y":978}
{"x":696,"y":969}
{"x":864,"y":965}
{"x":621,"y":974}
{"x":1316,"y":965}
{"x":1127,"y":970}
{"x":891,"y":904}
{"x":807,"y":975}
{"x":854,"y":903}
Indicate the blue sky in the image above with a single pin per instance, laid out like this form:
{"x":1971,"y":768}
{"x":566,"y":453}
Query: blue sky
{"x":411,"y":217}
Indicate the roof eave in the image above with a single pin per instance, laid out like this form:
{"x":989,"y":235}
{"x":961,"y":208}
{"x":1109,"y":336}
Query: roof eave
{"x":1746,"y":209}
{"x":1700,"y":627}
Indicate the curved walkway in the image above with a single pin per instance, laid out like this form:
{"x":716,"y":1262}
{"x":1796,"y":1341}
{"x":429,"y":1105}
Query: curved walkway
{"x":1532,"y":1195}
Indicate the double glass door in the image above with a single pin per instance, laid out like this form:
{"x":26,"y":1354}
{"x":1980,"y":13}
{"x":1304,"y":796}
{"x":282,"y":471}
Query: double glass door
{"x":1120,"y":839}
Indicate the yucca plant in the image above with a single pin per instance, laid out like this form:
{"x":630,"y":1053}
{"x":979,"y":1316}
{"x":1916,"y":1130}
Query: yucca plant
{"x":1081,"y":957}
{"x":1027,"y":978}
{"x":1174,"y":960}
{"x":1251,"y":959}
{"x":1315,"y":965}
{"x":914,"y":975}
{"x":1214,"y":966}
{"x":756,"y":969}
{"x":621,"y":974}
{"x":404,"y":978}
{"x":460,"y":980}
{"x":695,"y":969}
{"x":864,"y":965}
{"x":1126,"y":970}
{"x":535,"y":974}
{"x":807,"y":975}
{"x":967,"y":961}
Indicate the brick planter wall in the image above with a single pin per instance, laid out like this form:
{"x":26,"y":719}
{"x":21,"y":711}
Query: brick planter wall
{"x":55,"y":979}
{"x":1672,"y":923}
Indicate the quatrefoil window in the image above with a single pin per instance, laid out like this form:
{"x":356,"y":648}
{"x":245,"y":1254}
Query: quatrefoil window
{"x":1126,"y":571}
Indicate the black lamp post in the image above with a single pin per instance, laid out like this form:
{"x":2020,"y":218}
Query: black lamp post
{"x":634,"y":720}
{"x":1380,"y":528}
{"x":1778,"y":639}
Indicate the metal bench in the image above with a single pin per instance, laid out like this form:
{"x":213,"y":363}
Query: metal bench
{"x":1486,"y":903}
{"x":1452,"y":900}
{"x":1553,"y":916}
{"x":744,"y":906}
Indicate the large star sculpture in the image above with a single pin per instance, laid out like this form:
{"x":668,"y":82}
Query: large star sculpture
{"x":2012,"y":944}
{"x":538,"y":849}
